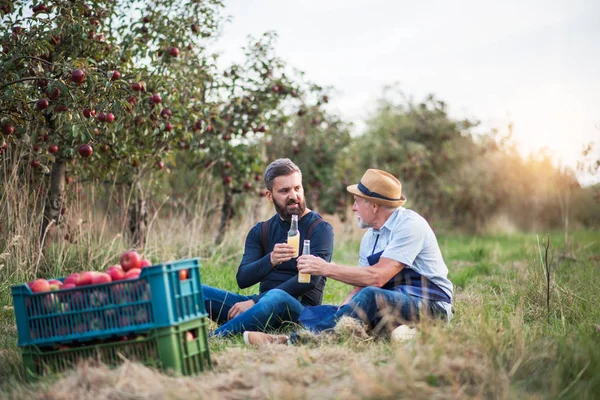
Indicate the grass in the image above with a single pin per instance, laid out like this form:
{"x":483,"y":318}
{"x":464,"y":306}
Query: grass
{"x":502,"y":343}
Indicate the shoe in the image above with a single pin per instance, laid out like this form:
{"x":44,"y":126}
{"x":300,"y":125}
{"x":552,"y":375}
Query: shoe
{"x":259,"y":338}
{"x":403,"y":333}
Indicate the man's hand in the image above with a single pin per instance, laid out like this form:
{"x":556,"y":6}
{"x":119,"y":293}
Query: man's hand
{"x":310,"y":264}
{"x":281,"y":253}
{"x":239,"y":308}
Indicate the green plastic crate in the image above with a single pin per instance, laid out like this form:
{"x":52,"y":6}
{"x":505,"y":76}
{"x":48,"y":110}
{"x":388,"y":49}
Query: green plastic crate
{"x":163,"y":348}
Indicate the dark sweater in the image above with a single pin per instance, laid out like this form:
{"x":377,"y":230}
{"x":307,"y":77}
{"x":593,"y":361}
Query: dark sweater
{"x":256,"y":266}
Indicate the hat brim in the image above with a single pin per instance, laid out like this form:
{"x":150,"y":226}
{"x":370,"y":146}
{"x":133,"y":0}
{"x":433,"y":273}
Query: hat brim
{"x":353,"y":189}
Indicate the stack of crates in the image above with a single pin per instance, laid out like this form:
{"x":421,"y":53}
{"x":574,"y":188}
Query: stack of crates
{"x":158,"y":319}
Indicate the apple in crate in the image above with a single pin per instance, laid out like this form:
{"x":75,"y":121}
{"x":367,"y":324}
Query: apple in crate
{"x":145,"y":263}
{"x":39,"y":286}
{"x":130,"y":260}
{"x":87,"y":278}
{"x":133,"y":273}
{"x":116,"y":272}
{"x":68,"y":286}
{"x":189,"y":336}
{"x":55,"y":284}
{"x":72,"y":279}
{"x":101,"y":277}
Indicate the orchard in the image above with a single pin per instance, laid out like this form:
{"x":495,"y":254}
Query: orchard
{"x":114,"y":91}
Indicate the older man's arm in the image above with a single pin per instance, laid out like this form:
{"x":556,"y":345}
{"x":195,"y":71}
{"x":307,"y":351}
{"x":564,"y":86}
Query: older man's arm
{"x":376,"y":275}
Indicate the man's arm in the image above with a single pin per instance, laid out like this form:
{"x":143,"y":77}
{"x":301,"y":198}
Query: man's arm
{"x":376,"y":275}
{"x":254,"y":265}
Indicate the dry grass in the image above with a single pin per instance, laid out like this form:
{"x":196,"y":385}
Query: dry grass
{"x":437,"y":365}
{"x":500,"y":344}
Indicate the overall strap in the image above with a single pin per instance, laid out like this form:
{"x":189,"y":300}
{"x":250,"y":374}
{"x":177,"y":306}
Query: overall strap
{"x":312,"y":227}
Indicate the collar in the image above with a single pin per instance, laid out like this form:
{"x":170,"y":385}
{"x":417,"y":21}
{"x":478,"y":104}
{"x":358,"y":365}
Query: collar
{"x":391,"y":221}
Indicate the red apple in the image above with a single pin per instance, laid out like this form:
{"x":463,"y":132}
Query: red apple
{"x":110,"y":118}
{"x":227,"y":180}
{"x":66,"y":286}
{"x":130,"y":260}
{"x":116,"y":272}
{"x":168,"y":127}
{"x":101,"y":117}
{"x":8,"y":129}
{"x":53,"y":93}
{"x":166,"y":113}
{"x":189,"y":336}
{"x":115,"y":75}
{"x":174,"y":51}
{"x":183,"y":274}
{"x":88,"y":113}
{"x":101,"y":277}
{"x":155,"y":99}
{"x":85,"y":150}
{"x":136,"y":87}
{"x":72,"y":279}
{"x":227,"y":164}
{"x":53,"y":149}
{"x":39,"y":8}
{"x":87,"y":278}
{"x":133,"y":273}
{"x":42,"y":104}
{"x":145,"y":263}
{"x":35,"y":163}
{"x":247,"y":186}
{"x":160,"y":165}
{"x":77,"y":76}
{"x":40,"y":285}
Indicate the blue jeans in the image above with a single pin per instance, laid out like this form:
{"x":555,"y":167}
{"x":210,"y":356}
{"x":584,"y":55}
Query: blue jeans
{"x":273,"y":309}
{"x":375,"y":306}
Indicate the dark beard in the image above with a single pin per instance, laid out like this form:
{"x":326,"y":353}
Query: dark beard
{"x":284,"y":214}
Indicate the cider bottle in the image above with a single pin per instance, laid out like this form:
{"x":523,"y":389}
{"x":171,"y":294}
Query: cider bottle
{"x":294,"y":236}
{"x":305,"y":278}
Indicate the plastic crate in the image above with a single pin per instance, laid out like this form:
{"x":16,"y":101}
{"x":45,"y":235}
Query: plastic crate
{"x":158,"y":298}
{"x":163,"y":348}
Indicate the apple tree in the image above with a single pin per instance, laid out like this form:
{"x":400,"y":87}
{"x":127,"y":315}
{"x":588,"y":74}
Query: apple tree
{"x":87,"y":87}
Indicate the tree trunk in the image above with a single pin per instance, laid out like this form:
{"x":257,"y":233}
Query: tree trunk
{"x":54,"y":198}
{"x":226,"y":215}
{"x":138,"y":218}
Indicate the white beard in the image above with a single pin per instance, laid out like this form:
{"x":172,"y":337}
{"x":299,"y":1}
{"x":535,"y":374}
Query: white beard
{"x":362,"y":224}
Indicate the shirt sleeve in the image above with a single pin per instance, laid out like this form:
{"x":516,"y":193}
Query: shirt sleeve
{"x":321,"y":245}
{"x":406,"y":243}
{"x":254,"y":267}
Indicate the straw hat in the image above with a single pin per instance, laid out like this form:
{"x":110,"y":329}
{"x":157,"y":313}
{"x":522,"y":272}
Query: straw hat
{"x":379,"y":187}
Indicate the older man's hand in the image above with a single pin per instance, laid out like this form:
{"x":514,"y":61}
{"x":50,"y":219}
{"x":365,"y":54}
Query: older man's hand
{"x":310,"y":264}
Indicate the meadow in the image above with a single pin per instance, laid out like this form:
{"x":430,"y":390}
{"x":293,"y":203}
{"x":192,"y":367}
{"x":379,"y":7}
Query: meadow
{"x":503,"y":341}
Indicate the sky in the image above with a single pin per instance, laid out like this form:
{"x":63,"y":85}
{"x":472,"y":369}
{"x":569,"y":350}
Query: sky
{"x":534,"y":64}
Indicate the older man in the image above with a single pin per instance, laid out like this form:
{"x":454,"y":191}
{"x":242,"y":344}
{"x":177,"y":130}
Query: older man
{"x":269,"y":261}
{"x":401,"y":267}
